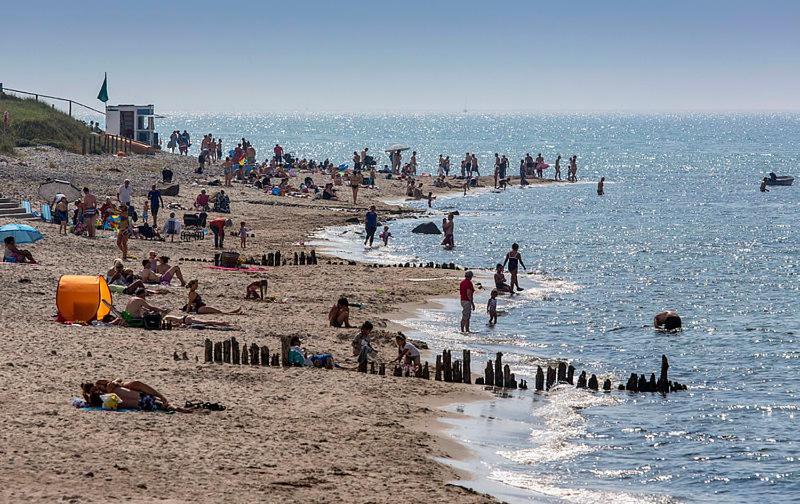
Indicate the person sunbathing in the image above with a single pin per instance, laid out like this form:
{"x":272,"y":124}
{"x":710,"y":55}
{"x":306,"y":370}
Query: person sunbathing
{"x":339,"y":315}
{"x":14,"y":255}
{"x":189,"y":320}
{"x":151,"y":277}
{"x":201,"y":203}
{"x":132,"y":394}
{"x":124,"y":277}
{"x":196,"y":304}
{"x":163,"y":268}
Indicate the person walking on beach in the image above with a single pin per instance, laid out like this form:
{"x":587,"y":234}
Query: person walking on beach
{"x":496,"y":168}
{"x":474,"y":164}
{"x":370,"y":225}
{"x":466,"y":166}
{"x":514,"y":261}
{"x":355,"y":183}
{"x":573,"y":168}
{"x":278,"y":151}
{"x":529,"y":164}
{"x":601,"y":186}
{"x":466,"y":292}
{"x":89,"y":208}
{"x":503,"y":169}
{"x":123,"y":232}
{"x":156,"y":202}
{"x":523,"y":181}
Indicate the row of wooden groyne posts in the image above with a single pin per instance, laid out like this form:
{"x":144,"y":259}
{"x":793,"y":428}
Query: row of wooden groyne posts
{"x":495,"y":374}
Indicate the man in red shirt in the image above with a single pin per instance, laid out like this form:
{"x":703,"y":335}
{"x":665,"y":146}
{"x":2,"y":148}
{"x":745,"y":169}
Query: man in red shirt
{"x":467,"y":291}
{"x":278,"y":150}
{"x":218,"y":228}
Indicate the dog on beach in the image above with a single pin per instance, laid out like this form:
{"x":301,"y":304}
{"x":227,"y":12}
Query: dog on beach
{"x":257,"y":289}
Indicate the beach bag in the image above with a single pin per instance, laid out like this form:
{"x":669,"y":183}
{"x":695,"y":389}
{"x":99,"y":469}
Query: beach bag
{"x":152,"y":321}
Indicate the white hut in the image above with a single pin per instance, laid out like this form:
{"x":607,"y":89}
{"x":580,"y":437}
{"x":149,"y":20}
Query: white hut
{"x":136,"y":122}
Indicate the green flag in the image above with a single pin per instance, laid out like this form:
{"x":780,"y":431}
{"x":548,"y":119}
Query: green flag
{"x":103,"y":95}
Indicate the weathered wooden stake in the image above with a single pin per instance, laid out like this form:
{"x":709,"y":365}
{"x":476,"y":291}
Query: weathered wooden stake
{"x":663,"y":380}
{"x":551,"y":377}
{"x":264,"y":356}
{"x":218,"y":352}
{"x":245,"y":355}
{"x":467,"y":372}
{"x":593,"y":383}
{"x":382,"y":369}
{"x":438,"y":373}
{"x":275,"y":360}
{"x":235,"y":355}
{"x":498,"y":370}
{"x":426,"y":374}
{"x":570,"y":374}
{"x":286,"y":343}
{"x":448,"y":366}
{"x":302,"y":258}
{"x":562,"y":372}
{"x":488,"y":374}
{"x":607,"y":385}
{"x":209,"y":350}
{"x":362,"y":366}
{"x":507,"y":376}
{"x":254,"y":354}
{"x":539,"y":378}
{"x":226,"y":351}
{"x":582,"y":380}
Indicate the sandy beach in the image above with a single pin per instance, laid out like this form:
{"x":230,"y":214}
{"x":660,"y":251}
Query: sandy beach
{"x":296,"y":434}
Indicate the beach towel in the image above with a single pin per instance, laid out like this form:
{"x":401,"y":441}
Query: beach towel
{"x":47,"y":214}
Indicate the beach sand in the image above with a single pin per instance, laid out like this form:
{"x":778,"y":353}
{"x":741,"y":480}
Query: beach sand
{"x":294,"y":435}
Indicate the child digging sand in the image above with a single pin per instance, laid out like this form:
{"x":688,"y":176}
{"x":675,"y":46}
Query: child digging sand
{"x":491,"y":308}
{"x":243,"y":235}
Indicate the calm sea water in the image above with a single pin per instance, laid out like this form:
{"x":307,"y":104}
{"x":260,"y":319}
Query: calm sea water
{"x":682,"y":226}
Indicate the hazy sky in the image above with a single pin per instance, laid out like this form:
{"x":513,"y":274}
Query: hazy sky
{"x":341,"y":55}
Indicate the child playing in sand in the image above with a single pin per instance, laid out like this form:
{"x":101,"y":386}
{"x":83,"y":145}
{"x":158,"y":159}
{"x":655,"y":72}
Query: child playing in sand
{"x":243,"y":235}
{"x":385,"y":235}
{"x":407,"y":353}
{"x":491,"y":308}
{"x":145,"y":211}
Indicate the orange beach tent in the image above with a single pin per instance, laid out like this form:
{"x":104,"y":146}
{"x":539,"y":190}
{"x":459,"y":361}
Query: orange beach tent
{"x":80,"y":298}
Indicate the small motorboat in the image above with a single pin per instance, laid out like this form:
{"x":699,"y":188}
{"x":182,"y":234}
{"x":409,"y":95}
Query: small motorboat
{"x":774,"y":180}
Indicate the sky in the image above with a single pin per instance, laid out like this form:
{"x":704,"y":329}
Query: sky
{"x":410,"y":56}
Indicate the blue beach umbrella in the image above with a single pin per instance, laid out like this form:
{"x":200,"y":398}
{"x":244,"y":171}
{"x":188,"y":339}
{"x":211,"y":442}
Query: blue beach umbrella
{"x":22,"y":233}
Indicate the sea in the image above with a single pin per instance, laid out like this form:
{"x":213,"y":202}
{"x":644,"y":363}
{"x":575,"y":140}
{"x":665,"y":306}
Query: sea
{"x":682,"y":226}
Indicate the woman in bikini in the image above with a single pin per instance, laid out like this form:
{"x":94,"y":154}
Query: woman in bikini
{"x":196,"y":304}
{"x":123,"y":233}
{"x":133,"y":395}
{"x":514,"y":261}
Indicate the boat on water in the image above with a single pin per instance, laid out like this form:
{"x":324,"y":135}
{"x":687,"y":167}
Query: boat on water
{"x":775,"y":180}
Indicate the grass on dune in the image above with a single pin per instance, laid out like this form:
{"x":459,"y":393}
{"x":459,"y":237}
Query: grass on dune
{"x":36,"y":123}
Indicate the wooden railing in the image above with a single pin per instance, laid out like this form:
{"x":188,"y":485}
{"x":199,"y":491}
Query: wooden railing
{"x":104,"y":142}
{"x":40,"y":95}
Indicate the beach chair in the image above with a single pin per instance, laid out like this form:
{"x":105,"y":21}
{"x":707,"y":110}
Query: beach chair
{"x":26,"y":205}
{"x":47,"y":214}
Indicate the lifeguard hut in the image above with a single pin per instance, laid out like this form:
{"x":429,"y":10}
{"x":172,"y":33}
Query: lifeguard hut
{"x":136,"y":122}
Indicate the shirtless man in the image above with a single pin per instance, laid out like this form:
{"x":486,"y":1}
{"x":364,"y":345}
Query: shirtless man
{"x":601,"y":186}
{"x":138,"y":306}
{"x":149,"y":276}
{"x":474,"y":164}
{"x":89,"y":211}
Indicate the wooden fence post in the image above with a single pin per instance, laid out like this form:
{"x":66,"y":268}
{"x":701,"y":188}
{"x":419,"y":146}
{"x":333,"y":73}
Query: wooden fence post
{"x":581,"y":380}
{"x":236,"y":357}
{"x":562,"y":372}
{"x":286,"y":343}
{"x":539,"y":378}
{"x":218,"y":352}
{"x":467,"y":372}
{"x":438,"y":373}
{"x":264,"y":356}
{"x":570,"y":374}
{"x":447,"y":363}
{"x":209,"y":354}
{"x":488,"y":374}
{"x":226,"y":351}
{"x":254,"y":354}
{"x":498,"y":370}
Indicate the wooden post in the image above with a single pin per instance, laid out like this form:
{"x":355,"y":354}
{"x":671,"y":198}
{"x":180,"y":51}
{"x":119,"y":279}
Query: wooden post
{"x":642,"y":383}
{"x":372,"y":368}
{"x":426,"y":374}
{"x":498,"y":370}
{"x":398,"y":371}
{"x":236,"y":357}
{"x":512,"y":380}
{"x":296,"y":259}
{"x":581,"y":380}
{"x":507,"y":376}
{"x":382,"y":369}
{"x":457,"y":371}
{"x":570,"y":374}
{"x":270,"y":259}
{"x":313,"y":257}
{"x":218,"y":352}
{"x":286,"y":343}
{"x":467,"y":364}
{"x":362,"y":366}
{"x":278,"y":258}
{"x":539,"y":378}
{"x":488,"y":374}
{"x":254,"y":350}
{"x":226,"y":351}
{"x":633,"y":383}
{"x":448,"y":366}
{"x":663,"y":380}
{"x":302,"y":258}
{"x":438,"y":373}
{"x":607,"y":385}
{"x":245,"y":355}
{"x":562,"y":372}
{"x":209,"y":354}
{"x":551,"y":377}
{"x":275,"y":360}
{"x":264,"y":356}
{"x":593,"y":383}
